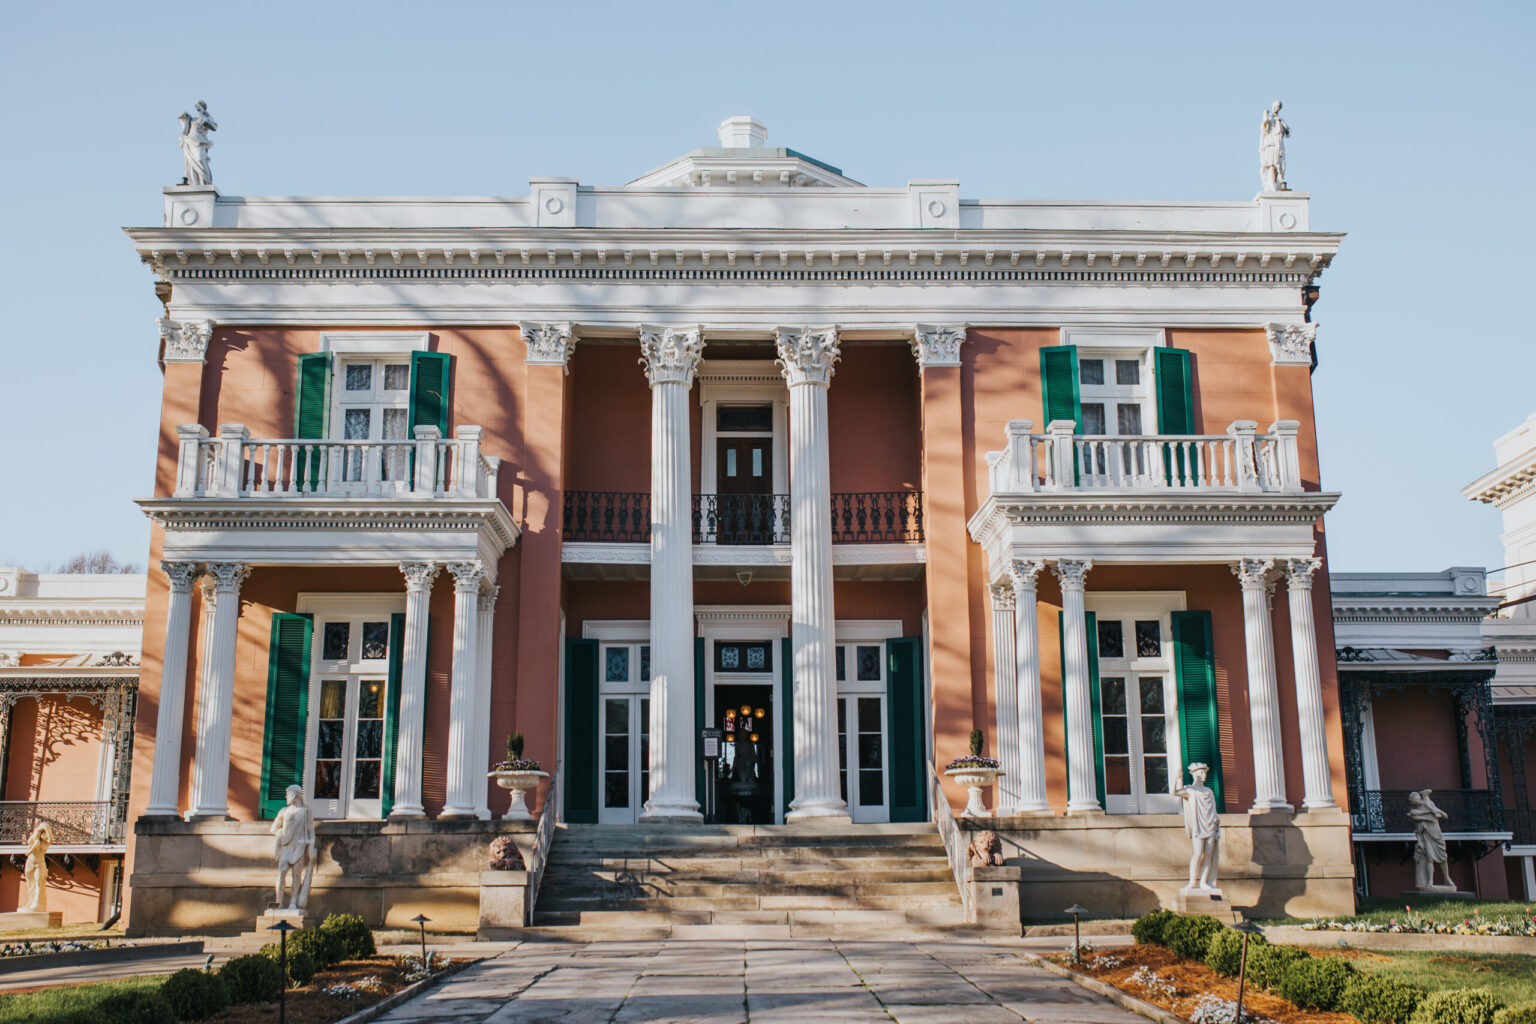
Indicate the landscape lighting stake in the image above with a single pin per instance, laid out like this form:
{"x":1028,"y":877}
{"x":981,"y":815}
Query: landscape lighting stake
{"x":1077,"y":941}
{"x":282,"y":928}
{"x":421,"y":922}
{"x":1247,"y":928}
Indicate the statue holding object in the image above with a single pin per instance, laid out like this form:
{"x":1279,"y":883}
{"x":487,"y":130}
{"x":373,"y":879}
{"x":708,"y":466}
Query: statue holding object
{"x":35,"y":872}
{"x":297,"y":851}
{"x":195,"y":144}
{"x":1272,"y":135}
{"x":1202,"y":823}
{"x":1429,"y":850}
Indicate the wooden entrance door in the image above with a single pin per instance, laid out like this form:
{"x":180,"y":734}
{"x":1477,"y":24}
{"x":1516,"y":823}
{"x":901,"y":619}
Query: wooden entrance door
{"x":744,"y":478}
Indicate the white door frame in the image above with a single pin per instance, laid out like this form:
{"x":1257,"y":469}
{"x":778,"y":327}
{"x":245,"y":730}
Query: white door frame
{"x":852,"y":633}
{"x":635,"y":632}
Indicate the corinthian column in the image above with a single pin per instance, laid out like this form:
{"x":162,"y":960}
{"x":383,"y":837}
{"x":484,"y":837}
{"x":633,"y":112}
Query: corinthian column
{"x":165,"y":777}
{"x":1263,"y":694}
{"x":806,"y":357}
{"x":1309,"y":685}
{"x":1005,"y":689}
{"x":671,"y":358}
{"x":411,"y":730}
{"x":1082,"y":779}
{"x":216,"y":704}
{"x":1031,"y":729}
{"x":480,"y":759}
{"x":460,"y":801}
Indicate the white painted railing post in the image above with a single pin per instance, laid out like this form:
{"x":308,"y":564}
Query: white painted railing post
{"x":1018,"y":457}
{"x":189,"y":458}
{"x":492,"y":469}
{"x":468,"y":469}
{"x":1242,"y":432}
{"x":425,"y":484}
{"x":1063,"y":460}
{"x":1287,"y":454}
{"x":226,"y":482}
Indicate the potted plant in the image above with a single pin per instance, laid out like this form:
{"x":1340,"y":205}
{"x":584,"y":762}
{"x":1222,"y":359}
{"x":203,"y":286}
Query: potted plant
{"x":518,"y":774}
{"x":975,"y":772}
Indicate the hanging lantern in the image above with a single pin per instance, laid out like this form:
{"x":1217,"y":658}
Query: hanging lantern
{"x":730,"y":713}
{"x":758,"y":713}
{"x":754,"y":737}
{"x":746,"y":709}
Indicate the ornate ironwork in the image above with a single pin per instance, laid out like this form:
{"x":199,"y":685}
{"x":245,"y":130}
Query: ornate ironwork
{"x":610,"y":517}
{"x":1514,"y":727}
{"x":741,"y":519}
{"x":73,"y":822}
{"x":877,"y":517}
{"x":1467,"y":810}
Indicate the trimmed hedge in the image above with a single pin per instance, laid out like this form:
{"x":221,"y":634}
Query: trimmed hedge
{"x":353,"y":936}
{"x":1189,"y":936}
{"x":1224,"y":955}
{"x":135,"y":1007}
{"x":1375,"y":1000}
{"x":1315,"y":983}
{"x":1525,"y":1013}
{"x":324,"y":948}
{"x":194,"y":995}
{"x":1269,"y":963}
{"x":1457,"y":1006}
{"x":253,"y":978}
{"x":1147,"y":929}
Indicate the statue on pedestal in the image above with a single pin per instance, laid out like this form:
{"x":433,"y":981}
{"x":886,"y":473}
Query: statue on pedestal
{"x":1272,"y":135}
{"x":1429,"y":842}
{"x":297,"y":851}
{"x":36,"y":869}
{"x":986,"y":850}
{"x":1203,"y":825}
{"x":195,"y":144}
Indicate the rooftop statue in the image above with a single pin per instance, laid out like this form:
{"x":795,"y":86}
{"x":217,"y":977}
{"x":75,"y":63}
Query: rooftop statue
{"x":194,"y":145}
{"x":1272,"y":135}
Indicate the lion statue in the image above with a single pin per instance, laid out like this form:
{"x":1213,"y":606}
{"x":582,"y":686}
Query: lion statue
{"x":505,"y":855}
{"x":986,"y":849}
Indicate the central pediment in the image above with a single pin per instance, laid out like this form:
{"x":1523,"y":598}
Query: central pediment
{"x":742,"y":160}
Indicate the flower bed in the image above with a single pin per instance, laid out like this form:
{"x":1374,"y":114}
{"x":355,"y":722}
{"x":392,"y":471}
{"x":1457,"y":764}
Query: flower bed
{"x":29,"y":948}
{"x":1410,"y":922}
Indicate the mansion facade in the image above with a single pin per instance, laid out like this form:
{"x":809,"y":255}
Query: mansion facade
{"x":839,"y":472}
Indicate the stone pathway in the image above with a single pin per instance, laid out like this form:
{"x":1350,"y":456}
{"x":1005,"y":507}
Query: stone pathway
{"x":761,"y":982}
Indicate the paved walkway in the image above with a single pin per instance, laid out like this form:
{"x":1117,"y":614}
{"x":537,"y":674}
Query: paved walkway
{"x":764,"y":982}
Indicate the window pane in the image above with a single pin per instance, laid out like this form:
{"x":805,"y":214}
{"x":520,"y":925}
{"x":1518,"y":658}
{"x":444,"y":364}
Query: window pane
{"x":375,"y":640}
{"x":869,"y":714}
{"x":1113,"y":692}
{"x":359,"y":376}
{"x":1117,"y":739}
{"x":645,"y":747}
{"x":395,"y":424}
{"x":645,"y":663}
{"x":868,"y":660}
{"x":327,"y":780}
{"x":616,"y":751}
{"x":871,"y":788}
{"x":1090,"y":371}
{"x":1149,"y":638}
{"x":744,"y":417}
{"x":616,"y":789}
{"x":1152,"y":695}
{"x":370,"y":700}
{"x":330,"y":734}
{"x":397,"y":376}
{"x":1093,"y":418}
{"x":1153,"y":739}
{"x":1111,"y":639}
{"x":333,"y":699}
{"x":757,"y":658}
{"x":1117,"y":775}
{"x":616,"y":716}
{"x":365,"y":780}
{"x":1156,"y":769}
{"x":757,"y":462}
{"x":1129,"y":419}
{"x":616,"y":665}
{"x":336,"y":642}
{"x":370,"y":738}
{"x":730,"y":462}
{"x":730,"y":655}
{"x":355,"y":427}
{"x":842,"y":663}
{"x":869,"y":750}
{"x":1127,"y":371}
{"x":842,"y":714}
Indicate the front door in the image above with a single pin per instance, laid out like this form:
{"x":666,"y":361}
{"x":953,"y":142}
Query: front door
{"x":1138,"y":709}
{"x":348,"y":695}
{"x":744,"y":479}
{"x":861,"y":730}
{"x":744,"y":776}
{"x":624,"y":727}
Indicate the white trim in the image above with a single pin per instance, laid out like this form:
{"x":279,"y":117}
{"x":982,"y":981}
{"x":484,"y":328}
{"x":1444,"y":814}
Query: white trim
{"x":351,"y":603}
{"x":854,"y":630}
{"x":375,"y":343}
{"x":1102,"y":336}
{"x":616,"y":630}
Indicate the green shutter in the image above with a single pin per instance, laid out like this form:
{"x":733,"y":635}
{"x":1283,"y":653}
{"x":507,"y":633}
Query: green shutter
{"x":431,"y":398}
{"x":312,"y":410}
{"x":787,"y":716}
{"x":1175,"y":408}
{"x":282,"y":748}
{"x":905,"y":722}
{"x":1059,"y":387}
{"x":698,"y":720}
{"x":1095,"y":701}
{"x":581,"y":736}
{"x":392,"y":711}
{"x":1195,"y":670}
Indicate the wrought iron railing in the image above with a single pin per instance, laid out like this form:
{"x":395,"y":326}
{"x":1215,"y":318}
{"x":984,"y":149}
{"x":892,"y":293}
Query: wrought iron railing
{"x":741,"y":519}
{"x":1522,"y":822}
{"x":612,"y":517}
{"x":73,"y":822}
{"x":877,"y":517}
{"x":1467,"y":810}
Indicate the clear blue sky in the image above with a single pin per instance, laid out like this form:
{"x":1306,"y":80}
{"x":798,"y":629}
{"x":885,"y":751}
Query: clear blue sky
{"x":1412,"y":131}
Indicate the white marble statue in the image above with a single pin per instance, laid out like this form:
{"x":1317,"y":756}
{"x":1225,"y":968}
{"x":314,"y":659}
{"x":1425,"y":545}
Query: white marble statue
{"x":1272,"y":134}
{"x":195,"y":143}
{"x":297,"y":851}
{"x":1429,"y":842}
{"x":36,"y":870}
{"x":1203,"y":824}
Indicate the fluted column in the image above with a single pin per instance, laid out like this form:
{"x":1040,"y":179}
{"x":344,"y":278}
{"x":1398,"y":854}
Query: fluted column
{"x":411,"y":731}
{"x":165,"y":777}
{"x":216,"y":705}
{"x":1082,"y":779}
{"x":1309,"y":685}
{"x":671,"y":359}
{"x":480,"y":760}
{"x":806,"y":357}
{"x":463,"y":695}
{"x":1031,"y":728}
{"x":1263,"y":694}
{"x":1005,"y":694}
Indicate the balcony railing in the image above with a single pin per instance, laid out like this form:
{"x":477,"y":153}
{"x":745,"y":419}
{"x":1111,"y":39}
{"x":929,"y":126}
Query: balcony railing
{"x":609,"y":517}
{"x":1522,"y":822}
{"x":1467,"y":810}
{"x":1241,"y":461}
{"x":741,"y":519}
{"x":73,"y":822}
{"x":619,"y":517}
{"x":877,"y":517}
{"x":236,"y":465}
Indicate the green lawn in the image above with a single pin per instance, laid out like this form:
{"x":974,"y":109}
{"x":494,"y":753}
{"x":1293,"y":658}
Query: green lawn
{"x":1378,"y":910}
{"x":1510,"y":976}
{"x":58,"y":1004}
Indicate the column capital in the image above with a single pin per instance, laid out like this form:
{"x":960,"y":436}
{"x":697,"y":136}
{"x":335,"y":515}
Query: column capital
{"x":228,"y":576}
{"x":467,"y":575}
{"x":185,"y":341}
{"x":671,"y":355}
{"x":806,"y":354}
{"x":1253,"y":572}
{"x":419,"y":575}
{"x":1025,"y":572}
{"x":937,"y":344}
{"x":1298,"y":572}
{"x":1072,"y":572}
{"x":183,"y":575}
{"x":549,"y":344}
{"x":1290,"y":344}
{"x":489,"y":592}
{"x":1002,"y":596}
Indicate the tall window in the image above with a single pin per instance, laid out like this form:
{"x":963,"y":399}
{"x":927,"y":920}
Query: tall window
{"x":861,"y":730}
{"x":1115,"y":395}
{"x":1138,"y":704}
{"x":625,"y":744}
{"x":349,"y":693}
{"x":373,"y":404}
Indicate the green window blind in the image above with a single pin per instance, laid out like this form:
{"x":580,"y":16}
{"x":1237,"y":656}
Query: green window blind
{"x":312,"y":401}
{"x":392,"y":711}
{"x":906,"y":723}
{"x":787,"y":716}
{"x":1175,"y":392}
{"x":1058,"y":383}
{"x":287,"y":719}
{"x":1195,"y":672}
{"x":698,"y":720}
{"x":431,"y":397}
{"x":581,"y":737}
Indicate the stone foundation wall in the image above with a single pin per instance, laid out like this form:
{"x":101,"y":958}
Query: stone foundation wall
{"x":213,"y":878}
{"x":1125,"y":865}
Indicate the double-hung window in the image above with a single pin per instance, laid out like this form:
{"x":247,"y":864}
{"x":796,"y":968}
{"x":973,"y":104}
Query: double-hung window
{"x":373,"y":404}
{"x":1116,"y":403}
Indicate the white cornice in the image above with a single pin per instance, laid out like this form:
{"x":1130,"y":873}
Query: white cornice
{"x":1506,"y":484}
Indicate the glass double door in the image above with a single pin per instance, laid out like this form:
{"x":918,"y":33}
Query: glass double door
{"x":349,"y":748}
{"x":744,"y":774}
{"x":625,"y":758}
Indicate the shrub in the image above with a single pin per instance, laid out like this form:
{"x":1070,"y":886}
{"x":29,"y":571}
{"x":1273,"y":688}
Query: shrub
{"x":1373,"y":1000}
{"x":1457,"y":1006}
{"x":252,"y":979}
{"x":1525,"y":1013}
{"x":1147,"y":929}
{"x":301,"y":963}
{"x":1267,"y":964}
{"x":1189,"y":936}
{"x":1315,"y":983}
{"x":1225,"y":953}
{"x":323,"y":947}
{"x":137,"y":1006}
{"x":193,"y":995}
{"x":356,"y":938}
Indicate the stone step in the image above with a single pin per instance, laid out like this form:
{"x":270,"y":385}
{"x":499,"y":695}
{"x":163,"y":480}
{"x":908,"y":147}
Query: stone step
{"x":562,"y":885}
{"x":767,"y":843}
{"x":738,"y":932}
{"x":789,"y":901}
{"x":847,"y":862}
{"x":805,"y":874}
{"x":625,"y":919}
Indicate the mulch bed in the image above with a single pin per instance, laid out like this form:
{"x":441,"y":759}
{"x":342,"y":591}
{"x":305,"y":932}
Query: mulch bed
{"x":310,"y":1004}
{"x":1189,"y":980}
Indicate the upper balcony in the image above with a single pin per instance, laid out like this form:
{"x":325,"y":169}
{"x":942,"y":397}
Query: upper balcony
{"x":279,"y":500}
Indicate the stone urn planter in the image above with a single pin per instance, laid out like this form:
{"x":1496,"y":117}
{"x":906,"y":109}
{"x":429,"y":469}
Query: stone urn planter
{"x":518,"y":781}
{"x":975,"y":773}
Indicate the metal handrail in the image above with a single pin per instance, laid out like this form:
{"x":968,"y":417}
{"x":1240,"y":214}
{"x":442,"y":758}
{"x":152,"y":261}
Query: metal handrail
{"x":544,"y":838}
{"x":955,"y":844}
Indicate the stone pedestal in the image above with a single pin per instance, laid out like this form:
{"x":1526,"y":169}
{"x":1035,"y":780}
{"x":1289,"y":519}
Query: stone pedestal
{"x":263,"y":933}
{"x":22,"y":919}
{"x":503,"y":903}
{"x":994,"y":899}
{"x":1438,"y":894}
{"x":1203,"y":901}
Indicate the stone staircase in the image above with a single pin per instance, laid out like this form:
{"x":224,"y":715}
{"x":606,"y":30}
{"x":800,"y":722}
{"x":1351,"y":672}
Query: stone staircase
{"x":747,"y":881}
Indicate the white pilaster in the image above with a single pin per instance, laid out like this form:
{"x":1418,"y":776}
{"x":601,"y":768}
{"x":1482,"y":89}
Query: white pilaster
{"x":1005,"y":694}
{"x":463,"y":691}
{"x":1082,"y":779}
{"x":411,"y":731}
{"x":671,"y":359}
{"x":1031,"y":728}
{"x":1263,"y":693}
{"x":217,"y":701}
{"x":165,"y":778}
{"x":480,"y":761}
{"x":806,"y":357}
{"x":1309,"y":685}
